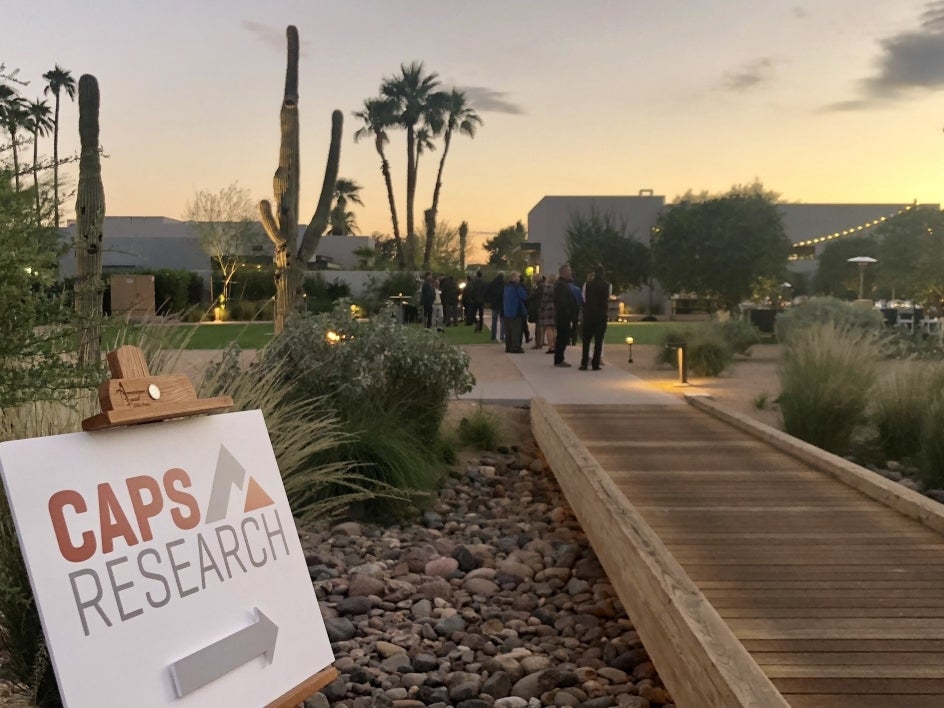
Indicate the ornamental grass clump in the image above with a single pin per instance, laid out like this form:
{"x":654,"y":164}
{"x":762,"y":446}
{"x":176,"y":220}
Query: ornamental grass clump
{"x":707,"y":350}
{"x":932,"y":443}
{"x":826,"y":376}
{"x":481,"y":430}
{"x":900,"y":402}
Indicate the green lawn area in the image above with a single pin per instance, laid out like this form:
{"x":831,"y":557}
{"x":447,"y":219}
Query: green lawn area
{"x":248,"y":335}
{"x":254,"y":335}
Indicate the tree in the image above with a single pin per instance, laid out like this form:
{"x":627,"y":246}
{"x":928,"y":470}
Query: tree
{"x":14,"y":112}
{"x":58,"y":80}
{"x":911,"y":255}
{"x":377,"y":115}
{"x":39,"y":122}
{"x":718,"y":247}
{"x":341,"y":221}
{"x":463,"y":242}
{"x":451,"y":114}
{"x":445,"y":254}
{"x":504,"y":249}
{"x":594,"y":240}
{"x":836,"y":276}
{"x":410,"y":92}
{"x":225,"y":228}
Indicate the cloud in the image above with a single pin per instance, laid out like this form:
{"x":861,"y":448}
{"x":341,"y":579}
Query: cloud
{"x":799,"y":12}
{"x":749,"y":76}
{"x":908,"y":63}
{"x":486,"y":100}
{"x":271,"y":36}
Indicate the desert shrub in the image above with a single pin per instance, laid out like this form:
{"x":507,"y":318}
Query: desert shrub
{"x":741,"y":335}
{"x":707,"y":351}
{"x":373,"y":361}
{"x":251,"y":310}
{"x":826,"y":377}
{"x":305,"y":436}
{"x":819,"y":310}
{"x":901,"y":398}
{"x":402,"y":376}
{"x":480,"y":429}
{"x":903,"y":344}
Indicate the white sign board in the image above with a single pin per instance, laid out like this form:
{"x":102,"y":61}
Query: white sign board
{"x":166,"y":564}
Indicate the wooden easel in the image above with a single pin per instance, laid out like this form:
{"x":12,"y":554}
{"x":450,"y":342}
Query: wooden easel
{"x":305,"y":689}
{"x":132,"y":396}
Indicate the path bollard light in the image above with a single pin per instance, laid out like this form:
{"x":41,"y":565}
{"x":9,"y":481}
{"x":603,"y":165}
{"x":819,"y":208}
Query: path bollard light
{"x":629,"y":343}
{"x":682,"y":366}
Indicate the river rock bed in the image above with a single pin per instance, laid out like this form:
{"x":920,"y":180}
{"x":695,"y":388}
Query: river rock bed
{"x":494,"y":599}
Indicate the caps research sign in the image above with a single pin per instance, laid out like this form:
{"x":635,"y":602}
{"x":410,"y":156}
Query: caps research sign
{"x":166,"y":564}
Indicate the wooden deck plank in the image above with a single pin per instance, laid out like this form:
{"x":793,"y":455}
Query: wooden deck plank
{"x":822,"y":573}
{"x":863,"y":700}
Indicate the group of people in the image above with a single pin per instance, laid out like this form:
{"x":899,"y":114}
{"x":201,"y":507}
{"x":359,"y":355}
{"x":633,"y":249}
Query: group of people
{"x":556,"y":305}
{"x":590,"y":305}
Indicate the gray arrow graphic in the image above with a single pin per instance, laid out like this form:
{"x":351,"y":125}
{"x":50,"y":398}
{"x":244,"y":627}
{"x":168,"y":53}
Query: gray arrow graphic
{"x":218,"y":659}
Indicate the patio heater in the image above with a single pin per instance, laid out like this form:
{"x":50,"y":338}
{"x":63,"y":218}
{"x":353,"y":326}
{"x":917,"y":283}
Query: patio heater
{"x":862,"y":262}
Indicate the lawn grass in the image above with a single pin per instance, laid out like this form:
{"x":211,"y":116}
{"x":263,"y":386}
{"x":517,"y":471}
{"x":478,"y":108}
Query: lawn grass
{"x":248,"y":335}
{"x":254,"y":335}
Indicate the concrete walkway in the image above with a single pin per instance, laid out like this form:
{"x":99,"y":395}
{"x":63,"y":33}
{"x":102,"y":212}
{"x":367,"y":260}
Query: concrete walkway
{"x":515,"y":379}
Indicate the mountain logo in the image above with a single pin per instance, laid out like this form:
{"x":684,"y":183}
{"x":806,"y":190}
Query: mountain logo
{"x":230,"y":475}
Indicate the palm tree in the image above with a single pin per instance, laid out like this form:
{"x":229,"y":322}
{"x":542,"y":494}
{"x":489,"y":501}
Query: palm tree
{"x":58,"y":79}
{"x":456,"y":115}
{"x":13,"y":116}
{"x":341,"y":220}
{"x":379,"y":114}
{"x":411,"y":92}
{"x":38,"y":123}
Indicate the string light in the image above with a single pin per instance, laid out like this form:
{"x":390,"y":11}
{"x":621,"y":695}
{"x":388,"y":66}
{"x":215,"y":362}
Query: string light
{"x":861,"y":227}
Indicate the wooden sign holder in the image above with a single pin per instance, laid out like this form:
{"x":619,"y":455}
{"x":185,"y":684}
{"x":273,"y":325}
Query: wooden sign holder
{"x":133,"y":396}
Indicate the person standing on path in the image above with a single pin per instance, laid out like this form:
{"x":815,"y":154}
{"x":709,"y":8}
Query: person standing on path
{"x":427,"y":298}
{"x":595,"y":309}
{"x":495,"y":295}
{"x":546,"y":314}
{"x":450,"y":300}
{"x":479,"y":286}
{"x":566,"y":310}
{"x":515,"y":307}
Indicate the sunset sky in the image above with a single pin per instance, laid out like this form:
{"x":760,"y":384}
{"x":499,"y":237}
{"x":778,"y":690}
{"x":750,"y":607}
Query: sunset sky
{"x":827,"y":101}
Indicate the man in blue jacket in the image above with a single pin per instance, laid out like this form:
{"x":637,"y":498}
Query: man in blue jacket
{"x":515,"y":308}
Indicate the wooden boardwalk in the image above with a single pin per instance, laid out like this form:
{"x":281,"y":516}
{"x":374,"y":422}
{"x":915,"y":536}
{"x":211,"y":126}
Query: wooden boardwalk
{"x":755,"y":578}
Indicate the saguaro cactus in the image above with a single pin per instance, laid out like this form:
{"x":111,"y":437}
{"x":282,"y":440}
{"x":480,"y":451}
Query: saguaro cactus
{"x":90,"y":218}
{"x":291,"y":257}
